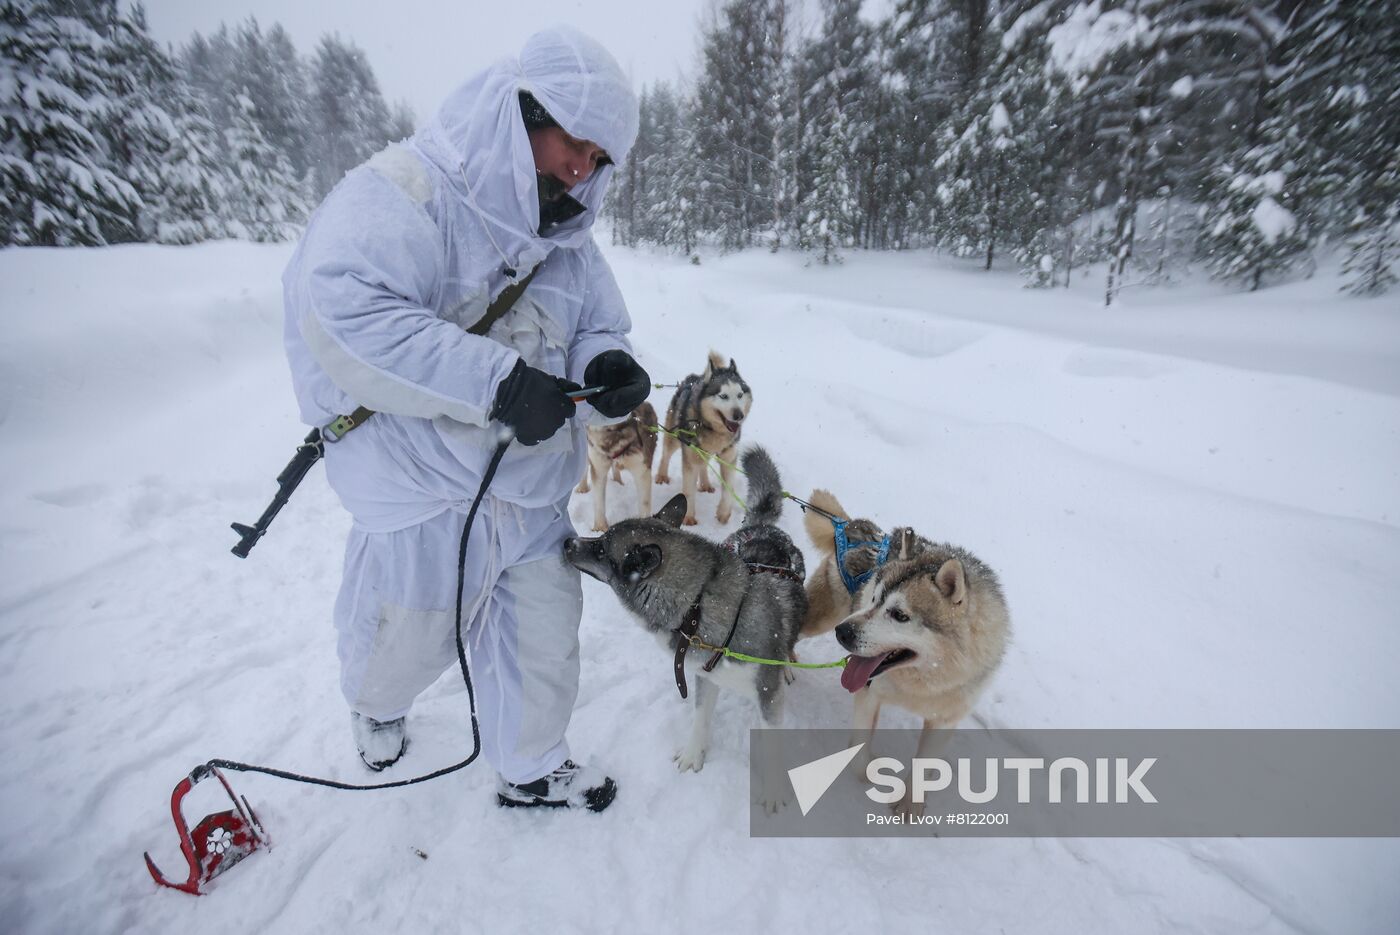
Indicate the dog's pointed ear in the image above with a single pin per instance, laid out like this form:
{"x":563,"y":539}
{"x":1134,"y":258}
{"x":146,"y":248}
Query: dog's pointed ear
{"x":734,"y":365}
{"x":904,"y":544}
{"x":951,"y":582}
{"x":673,"y":513}
{"x":640,"y":561}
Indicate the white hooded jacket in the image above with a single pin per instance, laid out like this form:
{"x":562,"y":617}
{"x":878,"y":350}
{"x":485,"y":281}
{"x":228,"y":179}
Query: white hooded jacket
{"x":408,"y":251}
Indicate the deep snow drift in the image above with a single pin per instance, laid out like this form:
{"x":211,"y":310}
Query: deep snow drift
{"x":1192,"y":500}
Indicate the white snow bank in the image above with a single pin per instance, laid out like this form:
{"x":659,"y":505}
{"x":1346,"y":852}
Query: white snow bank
{"x":1191,"y":499}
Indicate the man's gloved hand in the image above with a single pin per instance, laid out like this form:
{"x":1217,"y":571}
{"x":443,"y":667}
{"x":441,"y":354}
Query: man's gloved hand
{"x":627,"y":383}
{"x":533,"y":403}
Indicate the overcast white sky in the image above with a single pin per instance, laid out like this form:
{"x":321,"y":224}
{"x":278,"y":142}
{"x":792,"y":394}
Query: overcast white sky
{"x":422,"y":49}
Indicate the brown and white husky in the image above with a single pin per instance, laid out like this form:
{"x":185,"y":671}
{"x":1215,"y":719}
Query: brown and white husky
{"x":630,"y":445}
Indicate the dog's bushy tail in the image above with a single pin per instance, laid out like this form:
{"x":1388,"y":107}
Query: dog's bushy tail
{"x":765,"y":497}
{"x":819,"y":528}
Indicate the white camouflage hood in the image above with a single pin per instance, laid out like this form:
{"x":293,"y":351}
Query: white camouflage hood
{"x":479,"y":140}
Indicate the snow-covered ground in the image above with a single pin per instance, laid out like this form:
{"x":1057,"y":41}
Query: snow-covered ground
{"x":1193,"y":500}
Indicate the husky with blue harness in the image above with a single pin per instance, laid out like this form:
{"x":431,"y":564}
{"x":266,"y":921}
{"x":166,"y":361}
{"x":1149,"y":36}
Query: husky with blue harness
{"x":852,"y":548}
{"x":925,"y":623}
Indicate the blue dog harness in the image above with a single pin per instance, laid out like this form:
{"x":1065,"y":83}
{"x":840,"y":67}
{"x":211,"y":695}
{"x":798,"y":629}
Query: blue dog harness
{"x":844,"y":545}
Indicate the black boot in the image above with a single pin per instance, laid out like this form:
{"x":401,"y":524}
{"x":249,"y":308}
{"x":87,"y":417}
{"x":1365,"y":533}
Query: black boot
{"x":569,"y":786}
{"x":380,"y":743}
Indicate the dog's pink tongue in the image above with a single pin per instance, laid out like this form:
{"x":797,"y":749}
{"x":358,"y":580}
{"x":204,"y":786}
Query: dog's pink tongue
{"x":858,"y":670}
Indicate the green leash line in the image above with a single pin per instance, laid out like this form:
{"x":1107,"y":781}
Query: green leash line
{"x":744,"y":657}
{"x":695,"y":640}
{"x":708,"y":457}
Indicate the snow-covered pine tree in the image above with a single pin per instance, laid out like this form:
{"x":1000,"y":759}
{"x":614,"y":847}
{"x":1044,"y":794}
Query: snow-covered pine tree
{"x":782,"y":116}
{"x":835,"y":75}
{"x":1135,"y":62}
{"x":61,"y":187}
{"x":673,"y":173}
{"x":988,"y":209}
{"x":1373,"y":251}
{"x":734,"y":132}
{"x":1251,"y":230}
{"x":140,"y":129}
{"x":195,"y":183}
{"x":1343,"y":87}
{"x":884,"y":201}
{"x":629,"y":189}
{"x":211,"y":69}
{"x":348,"y":112}
{"x":1250,"y":225}
{"x":283,"y":84}
{"x":826,"y":224}
{"x":264,"y":200}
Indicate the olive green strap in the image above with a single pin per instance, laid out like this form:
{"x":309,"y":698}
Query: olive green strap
{"x":503,"y":303}
{"x":342,"y":425}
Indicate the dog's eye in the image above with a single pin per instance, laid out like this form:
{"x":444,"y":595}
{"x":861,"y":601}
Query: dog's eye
{"x":898,"y":615}
{"x":723,"y":395}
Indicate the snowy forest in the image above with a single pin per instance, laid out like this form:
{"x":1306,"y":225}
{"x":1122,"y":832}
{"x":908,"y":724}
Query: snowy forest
{"x":1242,"y":136}
{"x":108,"y":138}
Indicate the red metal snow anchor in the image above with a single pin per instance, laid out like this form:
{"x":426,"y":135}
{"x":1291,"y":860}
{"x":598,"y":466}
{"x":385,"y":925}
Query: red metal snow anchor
{"x":218,"y":842}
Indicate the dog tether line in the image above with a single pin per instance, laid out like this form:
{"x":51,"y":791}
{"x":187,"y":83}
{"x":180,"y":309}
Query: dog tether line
{"x":744,"y":657}
{"x":708,"y":457}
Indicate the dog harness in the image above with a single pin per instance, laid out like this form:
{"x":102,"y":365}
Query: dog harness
{"x":639,"y":442}
{"x":844,"y":545}
{"x":688,"y":630}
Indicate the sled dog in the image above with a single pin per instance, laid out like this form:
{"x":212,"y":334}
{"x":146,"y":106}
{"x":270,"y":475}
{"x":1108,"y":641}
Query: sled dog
{"x":745,"y":593}
{"x":926,"y":629}
{"x":708,"y":411}
{"x":629,"y":444}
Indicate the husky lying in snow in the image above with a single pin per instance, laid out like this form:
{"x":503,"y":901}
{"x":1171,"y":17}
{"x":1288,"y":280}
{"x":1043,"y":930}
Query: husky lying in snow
{"x":926,"y":629}
{"x":747,"y":591}
{"x":709,"y":410}
{"x":630,"y":444}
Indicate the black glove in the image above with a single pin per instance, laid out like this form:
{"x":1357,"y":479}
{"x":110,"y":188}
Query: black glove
{"x":627,"y":383}
{"x":533,"y":403}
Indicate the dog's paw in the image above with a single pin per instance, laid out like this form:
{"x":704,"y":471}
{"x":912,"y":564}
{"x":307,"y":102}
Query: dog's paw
{"x":706,"y":487}
{"x":789,"y":676}
{"x":722,"y":518}
{"x":690,"y":758}
{"x":690,"y":521}
{"x":582,"y":487}
{"x":662,"y":478}
{"x":600,"y":525}
{"x":858,"y":765}
{"x":907,"y":808}
{"x":772,"y":796}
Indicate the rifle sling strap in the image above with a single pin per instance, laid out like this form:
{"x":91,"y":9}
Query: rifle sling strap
{"x":342,"y":425}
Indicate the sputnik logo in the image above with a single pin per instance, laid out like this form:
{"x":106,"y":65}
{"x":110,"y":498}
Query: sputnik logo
{"x":811,"y":780}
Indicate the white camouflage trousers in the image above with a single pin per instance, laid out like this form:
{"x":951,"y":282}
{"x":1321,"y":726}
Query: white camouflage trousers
{"x":521,"y":607}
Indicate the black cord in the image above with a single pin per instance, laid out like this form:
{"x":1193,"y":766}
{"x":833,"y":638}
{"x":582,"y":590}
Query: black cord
{"x":461,"y":661}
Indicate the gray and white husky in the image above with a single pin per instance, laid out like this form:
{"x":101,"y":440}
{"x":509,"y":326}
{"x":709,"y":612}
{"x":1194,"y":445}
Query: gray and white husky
{"x":709,"y":410}
{"x":747,"y":591}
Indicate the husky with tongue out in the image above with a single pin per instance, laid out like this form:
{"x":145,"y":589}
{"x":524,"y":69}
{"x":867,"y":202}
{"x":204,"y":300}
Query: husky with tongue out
{"x":708,"y":411}
{"x":926,"y":628}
